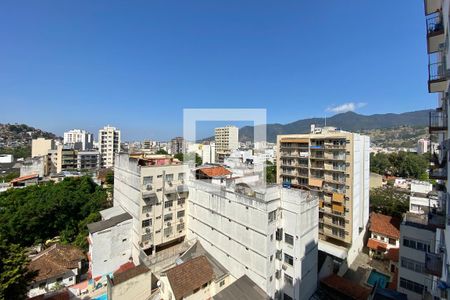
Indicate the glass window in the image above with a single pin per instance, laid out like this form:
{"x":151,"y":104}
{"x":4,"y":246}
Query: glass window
{"x":272,"y":216}
{"x":288,"y":279}
{"x":168,"y":204}
{"x":169,"y":177}
{"x":148,"y":180}
{"x":180,"y":214}
{"x":288,"y":259}
{"x":289,"y":239}
{"x":180,"y":176}
{"x":147,"y":223}
{"x":168,"y":217}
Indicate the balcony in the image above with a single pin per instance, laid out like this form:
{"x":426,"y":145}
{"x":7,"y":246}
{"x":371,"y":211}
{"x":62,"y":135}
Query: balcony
{"x":438,"y":173}
{"x":438,"y":121}
{"x":435,"y":32}
{"x":433,"y":264}
{"x":437,"y":73}
{"x":432,"y":6}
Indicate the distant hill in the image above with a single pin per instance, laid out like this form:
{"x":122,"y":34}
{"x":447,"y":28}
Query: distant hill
{"x":20,"y":135}
{"x":349,"y":121}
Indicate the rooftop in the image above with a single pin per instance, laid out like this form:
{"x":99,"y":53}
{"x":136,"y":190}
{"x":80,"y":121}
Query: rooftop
{"x":385,"y":225}
{"x":128,"y":274}
{"x":346,"y":287}
{"x":105,"y":224}
{"x":23,"y":178}
{"x":214,"y":171}
{"x":55,"y":261}
{"x":188,"y":276}
{"x":242,"y":289}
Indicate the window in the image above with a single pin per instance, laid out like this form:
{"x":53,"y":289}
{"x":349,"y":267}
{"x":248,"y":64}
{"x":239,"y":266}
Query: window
{"x":169,"y":177}
{"x":412,"y":265}
{"x":181,"y":201}
{"x":288,"y":279}
{"x":59,"y":279}
{"x":412,"y":286}
{"x":416,"y":244}
{"x":279,"y":234}
{"x":204,"y":285}
{"x":180,"y":176}
{"x":180,"y":214}
{"x":288,"y":259}
{"x":289,"y":239}
{"x":272,"y":216}
{"x":392,"y":241}
{"x":168,"y":204}
{"x":222,"y":283}
{"x":168,"y":217}
{"x":146,"y":223}
{"x":148,"y":180}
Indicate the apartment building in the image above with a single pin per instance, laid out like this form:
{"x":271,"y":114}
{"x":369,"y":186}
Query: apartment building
{"x":334,"y":163}
{"x":88,"y":160}
{"x":177,"y":145}
{"x":269,"y":234}
{"x":108,"y":145}
{"x":425,"y":232}
{"x":63,"y":158}
{"x":79,"y":139}
{"x":226,"y":140}
{"x":152,"y":189}
{"x":41,"y":146}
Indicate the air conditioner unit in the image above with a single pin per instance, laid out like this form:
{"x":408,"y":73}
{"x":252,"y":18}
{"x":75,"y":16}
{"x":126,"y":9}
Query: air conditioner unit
{"x":284,"y":267}
{"x":148,"y":187}
{"x":168,"y":224}
{"x":147,"y":215}
{"x":147,"y":230}
{"x":170,"y":183}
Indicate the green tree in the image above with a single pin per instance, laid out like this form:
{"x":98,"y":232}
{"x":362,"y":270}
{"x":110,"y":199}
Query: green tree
{"x":161,"y":151}
{"x":389,"y":201}
{"x":179,"y":156}
{"x":9,"y":177}
{"x":18,"y":152}
{"x":271,"y":172}
{"x":14,"y":275}
{"x":402,"y":164}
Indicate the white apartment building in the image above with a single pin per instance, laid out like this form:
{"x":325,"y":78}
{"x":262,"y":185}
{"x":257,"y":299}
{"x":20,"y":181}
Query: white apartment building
{"x":269,"y":234}
{"x":425,"y":238}
{"x":79,"y":139}
{"x":226,"y":139}
{"x":422,"y":198}
{"x":423,"y":146}
{"x":335,"y":163}
{"x":209,"y":153}
{"x":108,"y":145}
{"x":152,"y":189}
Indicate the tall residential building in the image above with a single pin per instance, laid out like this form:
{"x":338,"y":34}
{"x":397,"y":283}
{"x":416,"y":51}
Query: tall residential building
{"x":40,"y":146}
{"x":79,"y":139}
{"x":152,"y":189}
{"x":88,"y":160}
{"x":226,"y":140}
{"x":425,"y":231}
{"x":423,"y":146}
{"x":334,"y":163}
{"x":269,"y":234}
{"x":177,"y":145}
{"x":62,"y":158}
{"x":108,"y":145}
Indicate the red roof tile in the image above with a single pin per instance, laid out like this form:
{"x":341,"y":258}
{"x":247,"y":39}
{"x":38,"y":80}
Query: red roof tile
{"x":126,"y":266}
{"x":346,"y":287}
{"x":188,"y":276}
{"x":215,"y":171}
{"x":18,"y":179}
{"x":376,"y":245}
{"x":392,"y":254}
{"x":130,"y":273}
{"x":385,"y":225}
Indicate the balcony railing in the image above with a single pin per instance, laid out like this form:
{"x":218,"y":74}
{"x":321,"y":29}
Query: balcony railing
{"x":433,"y":264}
{"x":438,"y":121}
{"x":437,"y":71}
{"x":438,"y":173}
{"x":435,"y":25}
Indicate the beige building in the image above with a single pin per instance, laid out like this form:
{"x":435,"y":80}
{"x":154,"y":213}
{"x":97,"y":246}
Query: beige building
{"x":41,"y":146}
{"x":108,"y":145}
{"x":61,"y":159}
{"x":334,"y":163}
{"x":135,"y":283}
{"x":151,"y":188}
{"x":226,"y":140}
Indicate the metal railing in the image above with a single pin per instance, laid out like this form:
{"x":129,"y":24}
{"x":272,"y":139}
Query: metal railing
{"x":437,"y":71}
{"x":438,"y":120}
{"x":435,"y":24}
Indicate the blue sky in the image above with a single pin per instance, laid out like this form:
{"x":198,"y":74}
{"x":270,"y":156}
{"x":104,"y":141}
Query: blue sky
{"x":137,"y":64}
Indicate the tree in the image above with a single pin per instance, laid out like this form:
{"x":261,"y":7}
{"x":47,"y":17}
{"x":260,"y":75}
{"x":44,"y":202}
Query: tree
{"x":402,"y":164}
{"x":109,"y":177}
{"x":271,"y":172}
{"x":14,"y":275}
{"x":9,"y":177}
{"x":179,"y":156}
{"x":188,"y":157}
{"x":389,"y":201}
{"x":161,"y":151}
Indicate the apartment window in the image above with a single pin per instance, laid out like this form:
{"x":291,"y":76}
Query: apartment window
{"x":146,"y":223}
{"x":159,"y":176}
{"x":289,"y":239}
{"x":181,"y":201}
{"x":288,"y":279}
{"x":288,"y":259}
{"x":412,"y":265}
{"x":148,"y":180}
{"x":412,"y":286}
{"x":168,"y":217}
{"x":222,"y":283}
{"x":279,"y":234}
{"x":416,"y":244}
{"x":168,"y":204}
{"x":169,"y":177}
{"x":392,"y":241}
{"x":180,"y":214}
{"x":180,"y":176}
{"x":272,"y":216}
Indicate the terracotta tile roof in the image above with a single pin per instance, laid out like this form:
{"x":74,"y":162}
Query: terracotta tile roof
{"x":217,"y":171}
{"x":188,"y":276}
{"x":126,"y":266}
{"x":392,"y":254}
{"x":385,"y":225}
{"x":55,"y":261}
{"x":346,"y":287}
{"x":18,"y":179}
{"x":376,"y":245}
{"x":130,"y":273}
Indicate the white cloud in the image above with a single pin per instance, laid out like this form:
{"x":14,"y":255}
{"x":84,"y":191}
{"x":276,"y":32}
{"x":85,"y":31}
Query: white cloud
{"x":345,"y":107}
